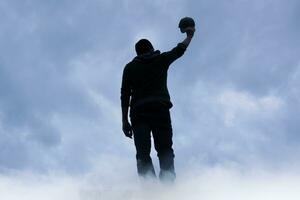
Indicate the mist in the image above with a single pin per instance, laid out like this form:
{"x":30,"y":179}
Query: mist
{"x":235,"y":93}
{"x":203,"y":183}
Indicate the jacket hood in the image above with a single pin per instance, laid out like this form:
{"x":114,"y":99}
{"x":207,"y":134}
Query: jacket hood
{"x":146,"y":57}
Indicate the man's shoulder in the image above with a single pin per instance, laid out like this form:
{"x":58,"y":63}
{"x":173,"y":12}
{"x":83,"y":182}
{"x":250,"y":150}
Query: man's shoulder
{"x":132,"y":64}
{"x":128,"y":65}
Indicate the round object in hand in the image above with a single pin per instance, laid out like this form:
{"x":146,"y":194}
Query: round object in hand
{"x":186,"y":22}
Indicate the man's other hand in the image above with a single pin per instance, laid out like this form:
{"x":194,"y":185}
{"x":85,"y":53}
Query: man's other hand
{"x":127,"y":129}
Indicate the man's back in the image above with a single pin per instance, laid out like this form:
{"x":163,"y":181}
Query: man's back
{"x":146,"y":77}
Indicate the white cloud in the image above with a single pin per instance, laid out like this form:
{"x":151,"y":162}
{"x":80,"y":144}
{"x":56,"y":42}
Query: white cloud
{"x":214,"y":184}
{"x":238,"y":104}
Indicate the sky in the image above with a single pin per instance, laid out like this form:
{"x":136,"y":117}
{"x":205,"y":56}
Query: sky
{"x":235,"y":91}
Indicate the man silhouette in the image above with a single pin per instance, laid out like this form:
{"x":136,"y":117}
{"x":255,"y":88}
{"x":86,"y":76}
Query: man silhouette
{"x":144,"y":89}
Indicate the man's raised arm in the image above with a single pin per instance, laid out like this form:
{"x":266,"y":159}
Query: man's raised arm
{"x":189,"y":35}
{"x":179,"y":50}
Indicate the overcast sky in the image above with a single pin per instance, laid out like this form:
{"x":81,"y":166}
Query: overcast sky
{"x":235,"y":91}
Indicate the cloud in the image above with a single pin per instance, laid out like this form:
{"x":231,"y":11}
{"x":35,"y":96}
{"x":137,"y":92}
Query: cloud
{"x":60,"y":74}
{"x":237,"y":104}
{"x":213,"y":183}
{"x":235,"y":91}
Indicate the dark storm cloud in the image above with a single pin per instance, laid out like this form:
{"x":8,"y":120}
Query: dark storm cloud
{"x":55,"y":56}
{"x":39,"y":41}
{"x":251,"y":44}
{"x":61,"y":65}
{"x":244,"y":53}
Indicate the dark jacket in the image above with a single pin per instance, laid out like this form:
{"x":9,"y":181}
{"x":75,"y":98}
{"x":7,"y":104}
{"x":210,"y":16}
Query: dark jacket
{"x":145,"y":78}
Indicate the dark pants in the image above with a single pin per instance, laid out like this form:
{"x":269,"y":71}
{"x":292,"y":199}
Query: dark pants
{"x":155,"y":119}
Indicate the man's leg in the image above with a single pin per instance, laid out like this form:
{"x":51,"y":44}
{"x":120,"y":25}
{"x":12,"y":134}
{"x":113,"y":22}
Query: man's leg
{"x":142,"y":140}
{"x":162,"y":134}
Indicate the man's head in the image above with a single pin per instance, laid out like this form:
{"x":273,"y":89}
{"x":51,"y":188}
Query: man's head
{"x":143,"y":46}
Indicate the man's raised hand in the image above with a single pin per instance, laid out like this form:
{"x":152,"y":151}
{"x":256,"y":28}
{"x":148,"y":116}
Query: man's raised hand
{"x":190,"y":31}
